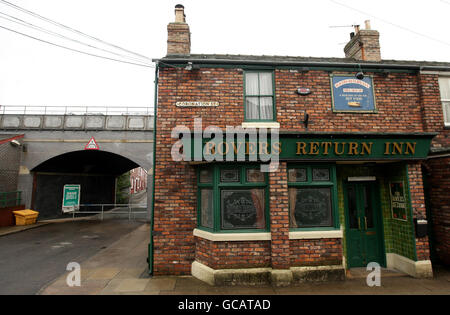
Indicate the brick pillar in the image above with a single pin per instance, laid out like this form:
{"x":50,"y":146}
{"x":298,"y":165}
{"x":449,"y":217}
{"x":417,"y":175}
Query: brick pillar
{"x":418,"y":206}
{"x":279,"y":218}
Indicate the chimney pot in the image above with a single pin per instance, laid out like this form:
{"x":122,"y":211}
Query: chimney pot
{"x":179,"y":14}
{"x":367,"y":22}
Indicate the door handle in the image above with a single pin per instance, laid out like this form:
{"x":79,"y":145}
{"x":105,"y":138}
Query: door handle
{"x":359,"y":224}
{"x":365,"y":222}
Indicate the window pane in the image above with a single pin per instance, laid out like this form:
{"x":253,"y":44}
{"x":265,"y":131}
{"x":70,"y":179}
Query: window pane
{"x":444,"y":84}
{"x":297,"y":175}
{"x":446,"y":112}
{"x":243,"y":209}
{"x":206,"y":203}
{"x":311,"y":207}
{"x":229,"y":176}
{"x":251,"y":84}
{"x":251,"y":108}
{"x":266,"y":109}
{"x":321,"y":174}
{"x":265,"y":83}
{"x":255,"y":176}
{"x":205,"y":176}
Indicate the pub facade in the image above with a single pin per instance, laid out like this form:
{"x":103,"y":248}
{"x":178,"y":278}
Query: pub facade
{"x":289,"y":169}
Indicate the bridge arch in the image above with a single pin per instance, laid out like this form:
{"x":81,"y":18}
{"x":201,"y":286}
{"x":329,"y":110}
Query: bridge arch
{"x":95,"y":171}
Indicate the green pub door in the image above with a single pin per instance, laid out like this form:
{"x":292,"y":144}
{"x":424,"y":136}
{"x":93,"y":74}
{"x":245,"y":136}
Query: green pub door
{"x":364,"y":237}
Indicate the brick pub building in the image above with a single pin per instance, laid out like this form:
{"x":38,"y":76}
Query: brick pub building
{"x":363,"y":169}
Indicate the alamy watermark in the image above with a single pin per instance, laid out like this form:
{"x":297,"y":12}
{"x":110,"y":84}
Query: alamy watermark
{"x":73,"y":279}
{"x":239,"y":144}
{"x":374,"y":277}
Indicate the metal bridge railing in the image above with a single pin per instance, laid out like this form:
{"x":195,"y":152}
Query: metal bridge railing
{"x":111,"y":209}
{"x":10,"y":199}
{"x":74,"y":110}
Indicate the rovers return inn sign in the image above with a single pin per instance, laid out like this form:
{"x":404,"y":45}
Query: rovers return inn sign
{"x":318,"y":147}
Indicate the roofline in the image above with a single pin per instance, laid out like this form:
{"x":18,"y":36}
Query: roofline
{"x":411,"y":66}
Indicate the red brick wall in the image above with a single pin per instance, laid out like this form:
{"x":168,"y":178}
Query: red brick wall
{"x":418,"y":206}
{"x":279,"y":217}
{"x":318,"y":252}
{"x":439,"y":187}
{"x":229,"y":255}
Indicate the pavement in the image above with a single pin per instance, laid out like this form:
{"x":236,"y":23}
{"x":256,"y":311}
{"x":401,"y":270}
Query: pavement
{"x":121,"y":269}
{"x":34,"y":257}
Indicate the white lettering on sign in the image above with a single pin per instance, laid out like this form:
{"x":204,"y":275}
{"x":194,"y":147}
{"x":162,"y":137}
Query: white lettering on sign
{"x":197,"y":104}
{"x":352,"y":81}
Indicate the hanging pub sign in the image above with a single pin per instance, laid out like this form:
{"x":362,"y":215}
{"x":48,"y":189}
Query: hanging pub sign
{"x":398,"y":200}
{"x":350,"y":94}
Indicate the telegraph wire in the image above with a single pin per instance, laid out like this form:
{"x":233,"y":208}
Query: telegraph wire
{"x":71,"y":29}
{"x":75,"y":50}
{"x":388,"y":22}
{"x":30,"y":25}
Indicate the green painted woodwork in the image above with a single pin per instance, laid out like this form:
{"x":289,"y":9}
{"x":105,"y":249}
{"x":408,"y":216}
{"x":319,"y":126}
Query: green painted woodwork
{"x":311,"y":147}
{"x":217,"y":186}
{"x":363,"y":224}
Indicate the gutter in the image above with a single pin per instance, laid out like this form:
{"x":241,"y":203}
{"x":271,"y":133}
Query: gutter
{"x":150,"y":245}
{"x":302,"y":64}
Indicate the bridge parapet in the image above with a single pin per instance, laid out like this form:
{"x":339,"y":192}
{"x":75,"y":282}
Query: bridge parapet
{"x":65,"y":118}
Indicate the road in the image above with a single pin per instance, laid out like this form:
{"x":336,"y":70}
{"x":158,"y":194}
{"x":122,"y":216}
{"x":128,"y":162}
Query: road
{"x":33,"y":258}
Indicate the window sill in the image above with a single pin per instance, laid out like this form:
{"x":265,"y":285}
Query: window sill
{"x":308,"y":235}
{"x":262,"y":124}
{"x":232,"y":237}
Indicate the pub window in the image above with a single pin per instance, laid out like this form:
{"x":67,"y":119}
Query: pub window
{"x":259,"y":96}
{"x":312,"y":197}
{"x":235,"y":199}
{"x":444,"y":85}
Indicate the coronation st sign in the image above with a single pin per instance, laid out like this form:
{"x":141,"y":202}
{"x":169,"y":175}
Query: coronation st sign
{"x":319,"y":148}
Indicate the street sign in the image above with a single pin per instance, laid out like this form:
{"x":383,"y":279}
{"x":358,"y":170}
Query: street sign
{"x":71,"y":198}
{"x":92,"y":145}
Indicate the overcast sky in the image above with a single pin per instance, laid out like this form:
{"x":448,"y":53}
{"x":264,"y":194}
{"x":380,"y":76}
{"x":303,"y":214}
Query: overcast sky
{"x":36,"y":73}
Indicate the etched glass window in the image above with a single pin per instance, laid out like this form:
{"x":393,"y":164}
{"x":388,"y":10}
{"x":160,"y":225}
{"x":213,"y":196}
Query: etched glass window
{"x":229,"y":176}
{"x":242,"y":209}
{"x":205,"y":176}
{"x":207,"y":208}
{"x":310,"y":207}
{"x":255,"y":176}
{"x":320,"y":174}
{"x":297,"y":175}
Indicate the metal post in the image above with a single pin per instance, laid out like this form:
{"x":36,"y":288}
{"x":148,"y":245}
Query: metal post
{"x":102,"y":211}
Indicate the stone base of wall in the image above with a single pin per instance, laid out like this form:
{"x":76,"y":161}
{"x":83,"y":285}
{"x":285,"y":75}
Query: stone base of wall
{"x":261,"y":276}
{"x":417,"y":269}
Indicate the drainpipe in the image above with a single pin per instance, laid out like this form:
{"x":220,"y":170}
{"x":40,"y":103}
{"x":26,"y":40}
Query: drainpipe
{"x":150,"y":245}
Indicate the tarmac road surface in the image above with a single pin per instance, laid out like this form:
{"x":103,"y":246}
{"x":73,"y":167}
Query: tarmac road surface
{"x":33,"y":258}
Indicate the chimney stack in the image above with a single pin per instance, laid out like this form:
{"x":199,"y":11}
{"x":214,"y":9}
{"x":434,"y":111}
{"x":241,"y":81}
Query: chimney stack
{"x":364,"y":44}
{"x":179,"y":36}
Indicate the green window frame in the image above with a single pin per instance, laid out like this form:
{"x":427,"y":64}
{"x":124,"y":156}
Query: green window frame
{"x":259,"y":96}
{"x":309,"y":177}
{"x":218,"y":187}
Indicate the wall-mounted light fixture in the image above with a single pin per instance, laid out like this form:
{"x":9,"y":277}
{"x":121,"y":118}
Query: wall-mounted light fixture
{"x":360,"y":74}
{"x":15,"y":143}
{"x":306,"y":120}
